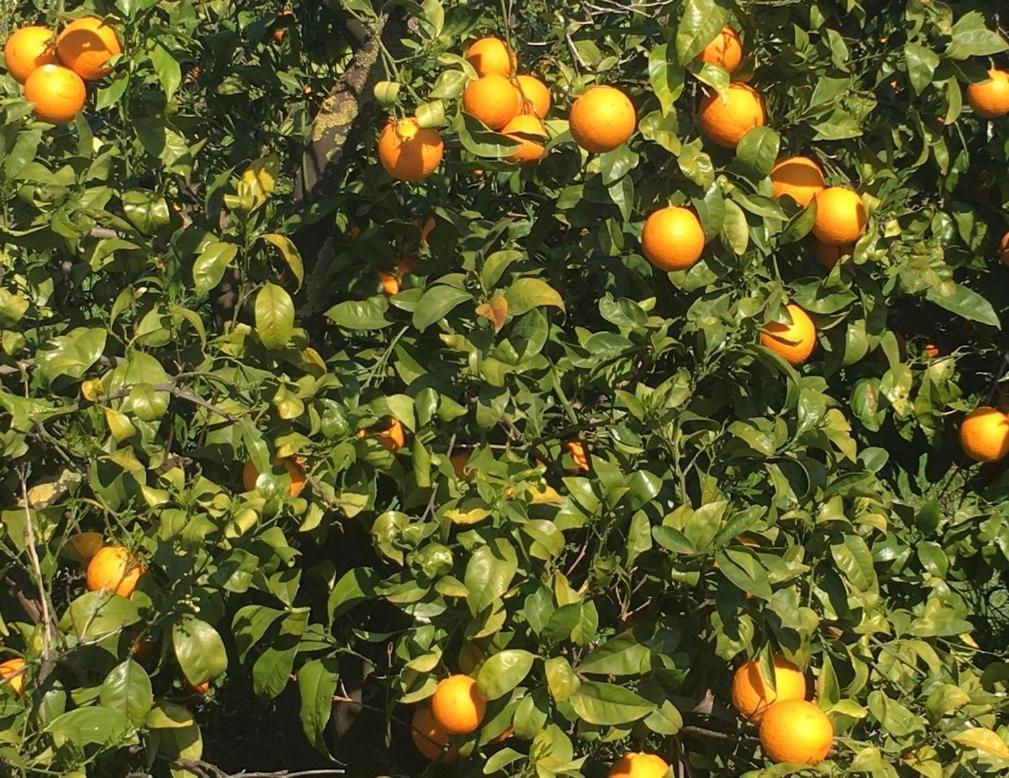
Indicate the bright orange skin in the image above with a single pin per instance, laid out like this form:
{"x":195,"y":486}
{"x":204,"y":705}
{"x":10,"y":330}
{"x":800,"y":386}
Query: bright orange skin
{"x":491,"y":57}
{"x":431,"y":739}
{"x":840,"y":216}
{"x":536,"y":96}
{"x":797,"y":177}
{"x":829,"y":253}
{"x":672,"y":238}
{"x":984,"y":434}
{"x":530,"y":151}
{"x":796,"y":731}
{"x":602,"y":119}
{"x":408,"y":152}
{"x":725,"y":122}
{"x":577,"y":451}
{"x":990,"y":99}
{"x":725,"y":51}
{"x":57,"y":92}
{"x":283,"y":18}
{"x":795,"y":342}
{"x":114,"y":569}
{"x":295,"y":469}
{"x":492,"y":99}
{"x":639,"y":766}
{"x":27,"y":49}
{"x":199,"y":689}
{"x":391,"y":281}
{"x":457,"y":705}
{"x":751,"y":696}
{"x":12,"y":669}
{"x":1003,"y":250}
{"x":86,"y":45}
{"x":393,"y":438}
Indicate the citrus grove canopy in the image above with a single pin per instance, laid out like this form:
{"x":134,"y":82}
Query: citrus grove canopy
{"x":535,"y":388}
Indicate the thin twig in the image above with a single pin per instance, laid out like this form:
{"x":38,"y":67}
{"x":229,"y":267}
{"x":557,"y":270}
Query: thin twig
{"x":40,"y":584}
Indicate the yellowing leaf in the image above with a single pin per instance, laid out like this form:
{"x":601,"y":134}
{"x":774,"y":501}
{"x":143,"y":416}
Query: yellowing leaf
{"x":983,"y":740}
{"x":471,"y":516}
{"x":495,"y":311}
{"x":82,"y":546}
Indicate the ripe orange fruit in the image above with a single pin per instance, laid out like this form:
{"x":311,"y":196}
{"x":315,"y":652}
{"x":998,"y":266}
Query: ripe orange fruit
{"x":726,"y":121}
{"x":602,"y":119}
{"x":751,"y":696}
{"x":493,"y":100}
{"x":12,"y":668}
{"x":491,"y":57}
{"x":577,"y":451}
{"x":796,"y":731}
{"x":394,"y":437}
{"x":408,"y":152}
{"x":530,"y":151}
{"x":794,"y":342}
{"x":284,"y":18}
{"x":86,"y":45}
{"x":639,"y":766}
{"x":725,"y":51}
{"x":672,"y":238}
{"x":536,"y":96}
{"x":27,"y":49}
{"x":829,"y":253}
{"x":457,"y":705}
{"x":391,"y":281}
{"x":984,"y":434}
{"x":797,"y":177}
{"x":200,"y":689}
{"x":990,"y":99}
{"x":294,"y":467}
{"x":114,"y":569}
{"x":1003,"y":250}
{"x":58,"y":94}
{"x":430,"y":738}
{"x":840,"y":216}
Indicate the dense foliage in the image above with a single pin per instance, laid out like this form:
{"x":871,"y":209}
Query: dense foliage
{"x":179,"y":296}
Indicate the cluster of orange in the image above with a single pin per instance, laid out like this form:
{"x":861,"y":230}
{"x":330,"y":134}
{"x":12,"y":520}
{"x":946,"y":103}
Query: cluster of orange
{"x":673,"y":238}
{"x":53,"y":68}
{"x":600,"y":120}
{"x":113,"y":569}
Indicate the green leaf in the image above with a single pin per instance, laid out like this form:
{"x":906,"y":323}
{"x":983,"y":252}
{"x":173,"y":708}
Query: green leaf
{"x":145,"y":210}
{"x":702,"y":20}
{"x":624,"y":654}
{"x":127,"y":690}
{"x":96,"y":614}
{"x":94,"y":725}
{"x":480,"y":141}
{"x":666,"y":76}
{"x":528,"y":293}
{"x":274,"y":316}
{"x":759,"y":149}
{"x":361,"y":314}
{"x":503,"y":671}
{"x":965,"y":302}
{"x":921,"y":65}
{"x":208,"y":270}
{"x":167,"y":67}
{"x":317,"y":682}
{"x":608,"y":704}
{"x":199,"y":650}
{"x":489,"y":573}
{"x":735,"y":231}
{"x":436,"y":303}
{"x":972,"y":38}
{"x":72,"y":354}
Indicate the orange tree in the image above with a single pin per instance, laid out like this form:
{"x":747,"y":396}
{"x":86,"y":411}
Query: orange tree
{"x":288,"y":443}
